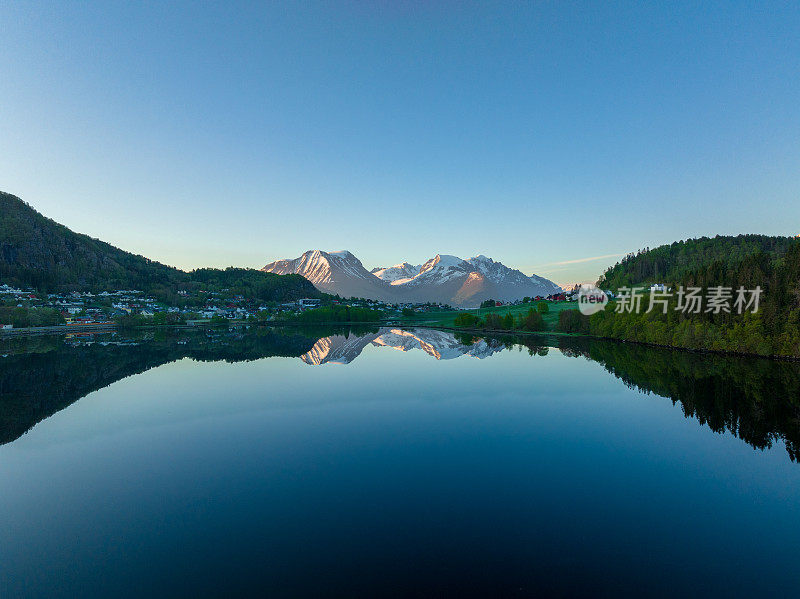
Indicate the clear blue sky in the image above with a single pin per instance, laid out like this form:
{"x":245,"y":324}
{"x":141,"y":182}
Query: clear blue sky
{"x":541,"y":134}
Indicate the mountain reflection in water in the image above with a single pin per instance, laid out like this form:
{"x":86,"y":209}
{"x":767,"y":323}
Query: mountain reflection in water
{"x":442,"y":345}
{"x":757,"y":400}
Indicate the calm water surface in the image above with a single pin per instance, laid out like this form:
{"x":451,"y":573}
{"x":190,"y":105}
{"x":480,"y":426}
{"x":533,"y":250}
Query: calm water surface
{"x":393,"y":463}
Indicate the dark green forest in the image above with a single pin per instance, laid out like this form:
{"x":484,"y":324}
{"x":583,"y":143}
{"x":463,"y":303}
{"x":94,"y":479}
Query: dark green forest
{"x":671,"y":264}
{"x":531,"y":321}
{"x":331,"y":314}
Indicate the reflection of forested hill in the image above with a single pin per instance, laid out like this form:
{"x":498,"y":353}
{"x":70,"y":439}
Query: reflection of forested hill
{"x":34,"y":386}
{"x":758,"y":400}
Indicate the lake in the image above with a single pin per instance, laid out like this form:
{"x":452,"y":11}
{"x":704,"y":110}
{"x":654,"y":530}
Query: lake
{"x":388,"y":462}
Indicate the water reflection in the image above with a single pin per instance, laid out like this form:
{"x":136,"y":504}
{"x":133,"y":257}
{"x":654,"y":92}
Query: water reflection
{"x":442,"y":345}
{"x":757,"y":400}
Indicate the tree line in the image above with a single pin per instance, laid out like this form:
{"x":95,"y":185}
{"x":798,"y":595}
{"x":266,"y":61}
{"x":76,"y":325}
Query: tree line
{"x":530,"y":321}
{"x":337,"y":313}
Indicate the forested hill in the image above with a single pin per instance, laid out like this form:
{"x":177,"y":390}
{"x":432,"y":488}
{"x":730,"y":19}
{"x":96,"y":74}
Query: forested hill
{"x":38,"y":252}
{"x":748,"y":261}
{"x":673,"y":263}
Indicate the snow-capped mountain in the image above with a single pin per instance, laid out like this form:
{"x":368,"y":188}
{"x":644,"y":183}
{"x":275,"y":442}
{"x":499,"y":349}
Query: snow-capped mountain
{"x":442,"y":279}
{"x":512,"y":282}
{"x":334,"y":272}
{"x":399,"y":272}
{"x":439,"y":270}
{"x":468,"y":282}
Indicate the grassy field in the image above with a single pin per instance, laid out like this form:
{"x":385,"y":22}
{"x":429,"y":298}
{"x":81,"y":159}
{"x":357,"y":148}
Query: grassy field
{"x":445,"y":317}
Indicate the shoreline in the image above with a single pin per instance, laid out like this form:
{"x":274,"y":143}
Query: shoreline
{"x":645,"y":343}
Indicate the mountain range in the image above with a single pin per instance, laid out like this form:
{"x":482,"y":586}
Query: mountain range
{"x":442,"y":279}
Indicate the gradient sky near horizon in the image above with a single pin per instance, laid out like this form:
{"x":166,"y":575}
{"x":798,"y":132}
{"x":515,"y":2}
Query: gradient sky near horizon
{"x":552,"y":136}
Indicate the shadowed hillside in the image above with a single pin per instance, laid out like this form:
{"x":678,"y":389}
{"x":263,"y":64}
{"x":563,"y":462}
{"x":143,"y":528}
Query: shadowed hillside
{"x":37,"y":252}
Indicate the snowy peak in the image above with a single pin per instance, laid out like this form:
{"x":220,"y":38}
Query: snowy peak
{"x":442,"y":262}
{"x":334,"y":272}
{"x":321,"y":268}
{"x":440,"y":269}
{"x":497,"y":271}
{"x":404,"y":270}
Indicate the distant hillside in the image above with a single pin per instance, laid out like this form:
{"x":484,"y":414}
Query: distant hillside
{"x":249,"y":282}
{"x":673,"y":263}
{"x":37,"y":252}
